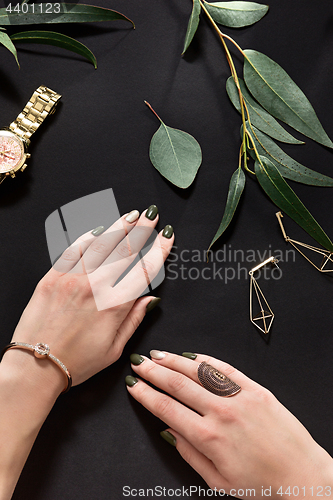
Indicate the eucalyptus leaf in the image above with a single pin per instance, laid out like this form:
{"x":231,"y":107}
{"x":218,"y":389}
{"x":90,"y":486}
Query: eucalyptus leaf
{"x":175,"y":154}
{"x":284,"y":197}
{"x":192,"y":24}
{"x":236,"y":14}
{"x":6,"y":42}
{"x":258,"y":115}
{"x":279,"y":95}
{"x":57,"y":39}
{"x":236,"y":186}
{"x":287,"y":166}
{"x":69,"y":13}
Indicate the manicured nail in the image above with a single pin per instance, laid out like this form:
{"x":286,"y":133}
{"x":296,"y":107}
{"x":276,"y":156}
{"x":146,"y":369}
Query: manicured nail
{"x":157,"y":354}
{"x":167,"y":232}
{"x":133,"y":216}
{"x":130,"y":381}
{"x":153,"y":303}
{"x":136,"y":359}
{"x":170,"y":438}
{"x":98,"y":230}
{"x":152,"y":211}
{"x":190,"y":355}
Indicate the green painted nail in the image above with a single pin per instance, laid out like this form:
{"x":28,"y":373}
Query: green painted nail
{"x":130,"y":381}
{"x":190,"y":355}
{"x":98,"y":230}
{"x":167,"y":231}
{"x":152,"y":212}
{"x":170,"y":438}
{"x":136,"y":359}
{"x":153,"y":303}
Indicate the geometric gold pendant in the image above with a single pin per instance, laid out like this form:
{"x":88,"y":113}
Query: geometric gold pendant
{"x":326,"y":265}
{"x":263,"y":319}
{"x":261,"y":314}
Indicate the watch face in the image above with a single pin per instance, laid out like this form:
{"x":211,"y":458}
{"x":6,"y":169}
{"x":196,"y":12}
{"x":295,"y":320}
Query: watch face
{"x":11,"y":151}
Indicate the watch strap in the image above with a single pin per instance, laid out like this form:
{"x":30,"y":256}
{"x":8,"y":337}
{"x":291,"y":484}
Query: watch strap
{"x":41,"y":104}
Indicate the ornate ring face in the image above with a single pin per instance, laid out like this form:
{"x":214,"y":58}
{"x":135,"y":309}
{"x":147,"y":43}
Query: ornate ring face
{"x":214,"y":381}
{"x":41,"y":350}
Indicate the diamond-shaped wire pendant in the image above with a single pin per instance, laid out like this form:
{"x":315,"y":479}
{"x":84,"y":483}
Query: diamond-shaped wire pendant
{"x":264,"y":319}
{"x":326,"y":265}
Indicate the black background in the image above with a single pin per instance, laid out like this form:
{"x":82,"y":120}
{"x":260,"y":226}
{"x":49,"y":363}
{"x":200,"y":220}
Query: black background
{"x":97,"y":439}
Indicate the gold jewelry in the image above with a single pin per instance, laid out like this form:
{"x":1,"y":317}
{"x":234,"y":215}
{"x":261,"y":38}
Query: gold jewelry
{"x":15,"y":139}
{"x":41,"y":351}
{"x":327,"y":255}
{"x":265,"y":316}
{"x":214,"y":381}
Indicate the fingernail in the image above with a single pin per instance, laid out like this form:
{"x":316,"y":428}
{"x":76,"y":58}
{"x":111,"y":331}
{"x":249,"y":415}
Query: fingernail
{"x":130,"y":381}
{"x":157,"y":354}
{"x":152,"y":211}
{"x":190,"y":355}
{"x":136,"y":359}
{"x":98,"y":230}
{"x":153,"y":303}
{"x":167,"y":232}
{"x":170,"y":438}
{"x":133,"y":216}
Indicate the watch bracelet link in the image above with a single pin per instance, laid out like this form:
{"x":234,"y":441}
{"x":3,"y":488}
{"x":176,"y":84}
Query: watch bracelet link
{"x":42,"y":103}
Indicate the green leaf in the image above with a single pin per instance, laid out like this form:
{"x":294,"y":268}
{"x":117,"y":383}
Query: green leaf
{"x":284,"y":197}
{"x":6,"y":41}
{"x":175,"y":154}
{"x":258,"y":115}
{"x":236,"y":14}
{"x":69,"y":13}
{"x":279,"y":94}
{"x":57,"y":39}
{"x":236,"y":186}
{"x":287,"y":166}
{"x":192,"y":24}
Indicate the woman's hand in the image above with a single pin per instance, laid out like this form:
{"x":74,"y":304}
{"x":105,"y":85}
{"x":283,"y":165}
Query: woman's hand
{"x":245,"y":442}
{"x":77,"y":310}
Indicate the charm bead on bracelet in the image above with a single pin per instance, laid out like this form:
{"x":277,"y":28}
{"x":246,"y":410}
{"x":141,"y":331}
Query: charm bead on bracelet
{"x":41,"y":351}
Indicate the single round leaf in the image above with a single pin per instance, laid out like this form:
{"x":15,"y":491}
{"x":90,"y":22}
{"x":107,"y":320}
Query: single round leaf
{"x":279,"y":95}
{"x":69,"y":13}
{"x":284,"y":197}
{"x":258,"y":115}
{"x":192,"y":24}
{"x":176,"y":155}
{"x":287,"y":166}
{"x":56,"y":39}
{"x":236,"y":14}
{"x":236,"y":186}
{"x":6,"y":42}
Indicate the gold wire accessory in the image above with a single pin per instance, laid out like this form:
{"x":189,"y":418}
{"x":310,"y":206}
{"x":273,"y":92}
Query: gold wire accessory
{"x":41,"y":351}
{"x":214,"y":381}
{"x":327,"y":255}
{"x":266,"y":317}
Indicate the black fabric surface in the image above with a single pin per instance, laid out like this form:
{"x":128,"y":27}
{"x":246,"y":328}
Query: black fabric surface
{"x":97,"y":439}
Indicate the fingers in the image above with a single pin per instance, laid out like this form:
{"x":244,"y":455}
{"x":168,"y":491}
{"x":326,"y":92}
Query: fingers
{"x":178,"y":385}
{"x":189,"y":367}
{"x":148,"y":267}
{"x":173,"y":413}
{"x":72,"y":255}
{"x":199,"y":462}
{"x":101,"y":246}
{"x":114,"y":259}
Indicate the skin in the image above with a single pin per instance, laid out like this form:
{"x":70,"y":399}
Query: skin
{"x":247,"y":441}
{"x":63,"y":313}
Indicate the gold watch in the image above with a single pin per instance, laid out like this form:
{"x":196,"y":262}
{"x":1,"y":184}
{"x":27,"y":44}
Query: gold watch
{"x":15,"y":139}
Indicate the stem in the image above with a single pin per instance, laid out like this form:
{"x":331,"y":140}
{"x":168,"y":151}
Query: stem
{"x":243,"y":106}
{"x":149,"y":106}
